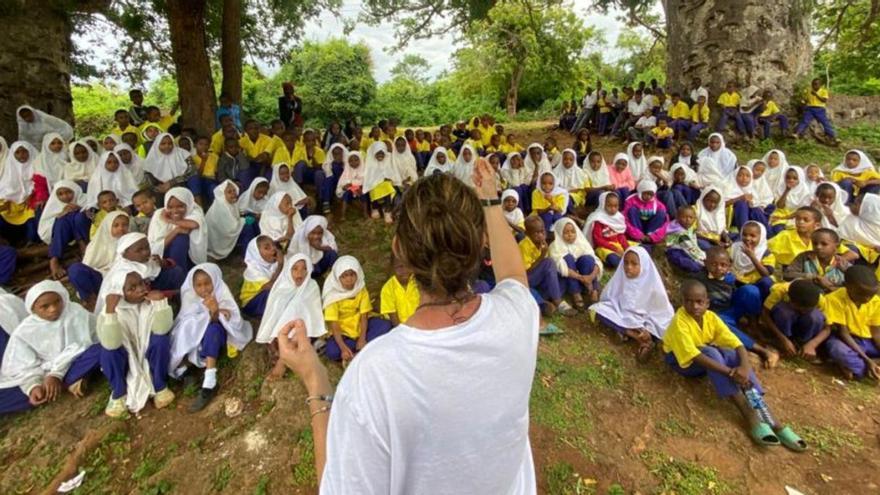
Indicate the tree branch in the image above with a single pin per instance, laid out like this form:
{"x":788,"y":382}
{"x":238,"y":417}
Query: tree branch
{"x":835,"y":28}
{"x":635,"y":17}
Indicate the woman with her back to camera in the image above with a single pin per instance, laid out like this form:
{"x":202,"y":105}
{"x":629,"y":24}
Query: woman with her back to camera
{"x":440,"y":404}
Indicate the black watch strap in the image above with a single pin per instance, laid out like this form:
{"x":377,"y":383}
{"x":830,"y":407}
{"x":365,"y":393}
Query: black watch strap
{"x":490,"y":202}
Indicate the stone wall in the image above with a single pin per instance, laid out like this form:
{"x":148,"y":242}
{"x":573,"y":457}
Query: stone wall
{"x":850,"y":110}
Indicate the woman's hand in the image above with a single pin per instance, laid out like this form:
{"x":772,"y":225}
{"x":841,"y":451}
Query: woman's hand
{"x":484,"y":180}
{"x":297,"y":353}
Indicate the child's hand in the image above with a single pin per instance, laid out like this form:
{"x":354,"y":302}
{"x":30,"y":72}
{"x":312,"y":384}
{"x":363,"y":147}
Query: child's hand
{"x":71,"y":207}
{"x":873,"y":369}
{"x":347,"y":355}
{"x":361,"y":342}
{"x":808,"y":352}
{"x":788,"y":348}
{"x":111,"y":302}
{"x":226,"y":313}
{"x":52,"y":386}
{"x":824,"y":283}
{"x":155,"y":295}
{"x":741,"y":376}
{"x":37,"y":396}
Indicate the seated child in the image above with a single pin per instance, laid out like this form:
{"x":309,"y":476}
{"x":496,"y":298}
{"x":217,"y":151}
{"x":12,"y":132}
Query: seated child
{"x":351,"y":183}
{"x":742,"y":198}
{"x":52,"y":159}
{"x":682,"y":248}
{"x":549,"y":201}
{"x":83,"y":162}
{"x":380,"y":177}
{"x":684,"y":183}
{"x":575,"y":262}
{"x":791,"y":242}
{"x":582,"y":146}
{"x":646,"y":218}
{"x":315,"y":240}
{"x":280,"y":219}
{"x":224,"y":224}
{"x":622,"y":177}
{"x":540,"y":268}
{"x":854,"y":314}
{"x":107,"y":202}
{"x":662,"y":135}
{"x":606,"y":228}
{"x":62,"y":222}
{"x":263,"y":262}
{"x":111,"y":176}
{"x":167,"y":166}
{"x":598,"y":179}
{"x":671,"y":198}
{"x":206,"y":166}
{"x":208,"y":319}
{"x":51,"y":349}
{"x":178,"y":232}
{"x":752,"y":260}
{"x":821,"y":265}
{"x":439,"y":162}
{"x":12,"y":312}
{"x":572,"y":179}
{"x":463,"y":168}
{"x":308,"y":161}
{"x":856,"y":174}
{"x":793,"y":314}
{"x":347,"y":310}
{"x":254,"y":199}
{"x":86,"y":277}
{"x":145,"y":204}
{"x":513,"y":214}
{"x":518,"y":179}
{"x":698,"y":343}
{"x":294,"y":296}
{"x":732,"y":303}
{"x":634,"y":302}
{"x":863,"y":227}
{"x":400,"y":294}
{"x":233,"y":164}
{"x":770,"y":113}
{"x":133,"y":327}
{"x":711,"y":220}
{"x":636,"y":159}
{"x":536,"y":162}
{"x":814,"y":177}
{"x":791,"y":195}
{"x":831,"y":202}
{"x":334,"y":166}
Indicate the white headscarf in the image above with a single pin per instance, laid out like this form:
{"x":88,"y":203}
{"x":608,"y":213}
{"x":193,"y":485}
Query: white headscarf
{"x":166,"y":166}
{"x":50,"y":164}
{"x":724,"y":158}
{"x":529,"y":165}
{"x":864,"y":163}
{"x":376,"y":172}
{"x":327,"y":166}
{"x":333,"y":290}
{"x":277,"y":185}
{"x":734,"y":190}
{"x":775,"y":177}
{"x":838,"y":208}
{"x":17,"y":178}
{"x":101,"y":251}
{"x":405,"y":162}
{"x":713,"y":222}
{"x":798,"y":194}
{"x":38,"y":347}
{"x":55,"y":208}
{"x":159,"y":228}
{"x":559,"y":249}
{"x":147,"y":271}
{"x":224,"y":223}
{"x":710,"y":175}
{"x":572,"y":178}
{"x":288,"y":302}
{"x":514,"y":217}
{"x":464,"y":170}
{"x":77,"y":170}
{"x":12,"y":311}
{"x":4,"y":149}
{"x":556,"y":191}
{"x":194,"y":317}
{"x":762,"y":196}
{"x":811,"y":185}
{"x":863,"y":228}
{"x":300,"y":241}
{"x":617,"y":223}
{"x":639,"y":302}
{"x":256,"y":268}
{"x":350,"y":175}
{"x":637,"y":166}
{"x":515,"y":177}
{"x":689,"y":174}
{"x":434,"y":165}
{"x":121,"y":182}
{"x":598,"y":178}
{"x":248,"y":204}
{"x":273,"y":223}
{"x":43,"y":123}
{"x":742,"y":264}
{"x":136,"y":166}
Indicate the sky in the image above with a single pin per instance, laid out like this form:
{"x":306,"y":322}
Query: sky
{"x":437,"y":50}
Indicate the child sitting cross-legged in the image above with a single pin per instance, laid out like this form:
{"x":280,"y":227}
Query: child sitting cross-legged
{"x":698,"y":343}
{"x":541,"y":270}
{"x":400,"y":294}
{"x":682,"y":248}
{"x":606,"y":228}
{"x":854,"y":314}
{"x":793,"y":314}
{"x":263,"y":261}
{"x":752,"y":260}
{"x":822,"y":265}
{"x":646,"y":218}
{"x":634,"y":303}
{"x":575,"y":262}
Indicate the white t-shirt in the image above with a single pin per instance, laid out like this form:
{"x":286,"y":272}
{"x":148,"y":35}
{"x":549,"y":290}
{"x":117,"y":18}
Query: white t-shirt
{"x":646,"y":122}
{"x":636,"y":107}
{"x":443,"y":411}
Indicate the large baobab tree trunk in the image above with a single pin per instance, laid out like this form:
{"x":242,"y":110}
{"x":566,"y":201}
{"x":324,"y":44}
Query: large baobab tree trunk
{"x":230,"y":49}
{"x":766,"y":44}
{"x":35,"y":53}
{"x":195,"y":84}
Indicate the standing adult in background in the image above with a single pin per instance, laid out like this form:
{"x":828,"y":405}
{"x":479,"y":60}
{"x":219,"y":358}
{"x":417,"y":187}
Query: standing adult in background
{"x":290,"y":107}
{"x":441,"y":403}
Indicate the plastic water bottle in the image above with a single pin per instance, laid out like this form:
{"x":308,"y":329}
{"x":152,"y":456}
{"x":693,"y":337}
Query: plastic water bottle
{"x":756,"y":400}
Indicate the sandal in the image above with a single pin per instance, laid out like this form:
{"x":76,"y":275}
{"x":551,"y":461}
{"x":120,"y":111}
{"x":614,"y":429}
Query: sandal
{"x":550,"y":329}
{"x":763,"y":435}
{"x":791,"y":440}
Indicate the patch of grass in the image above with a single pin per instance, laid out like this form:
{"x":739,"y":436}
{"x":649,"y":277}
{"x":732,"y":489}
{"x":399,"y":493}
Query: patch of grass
{"x":683,"y":477}
{"x":563,"y":480}
{"x":262,"y":487}
{"x":862,"y":391}
{"x":101,"y":397}
{"x":163,"y":487}
{"x":196,"y":444}
{"x":100,"y":463}
{"x":222,"y":476}
{"x":150,"y":464}
{"x":829,"y":440}
{"x":641,"y":400}
{"x":676,"y":428}
{"x":304,"y":470}
{"x":616,"y":489}
{"x":253,"y":388}
{"x":191,"y":390}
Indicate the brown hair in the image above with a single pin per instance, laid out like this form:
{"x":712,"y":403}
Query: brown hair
{"x":440,"y":233}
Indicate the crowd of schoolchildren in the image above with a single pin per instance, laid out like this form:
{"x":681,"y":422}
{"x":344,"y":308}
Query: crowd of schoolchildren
{"x":777,"y":259}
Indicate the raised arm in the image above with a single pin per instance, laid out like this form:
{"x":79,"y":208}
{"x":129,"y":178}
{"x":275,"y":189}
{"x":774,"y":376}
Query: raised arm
{"x":506,"y":260}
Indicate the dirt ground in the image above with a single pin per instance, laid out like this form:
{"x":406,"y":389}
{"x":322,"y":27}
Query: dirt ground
{"x":601,"y":423}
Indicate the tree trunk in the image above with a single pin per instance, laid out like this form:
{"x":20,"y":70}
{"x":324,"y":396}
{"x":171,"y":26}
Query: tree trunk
{"x":513,"y":89}
{"x":195,"y":84}
{"x":765,"y":43}
{"x":230,"y":49}
{"x":35,"y":53}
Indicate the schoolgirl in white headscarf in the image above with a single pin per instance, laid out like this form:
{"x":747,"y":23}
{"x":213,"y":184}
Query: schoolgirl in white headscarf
{"x":743,"y":267}
{"x":570,"y":257}
{"x":380,"y":178}
{"x":101,"y":251}
{"x":835,"y":209}
{"x":405,"y":162}
{"x":300,"y":242}
{"x":463,"y":169}
{"x":223,"y":221}
{"x":711,"y":223}
{"x":775,"y":176}
{"x":283,"y":184}
{"x":710,"y":175}
{"x":161,"y":225}
{"x":637,"y":165}
{"x":571,"y":178}
{"x":542,"y":165}
{"x":277,"y":224}
{"x":514,"y":217}
{"x":148,"y":271}
{"x":762,"y":194}
{"x":134,"y":164}
{"x":119,"y":180}
{"x":291,"y":300}
{"x":790,"y":198}
{"x":165,"y":166}
{"x":17,"y":178}
{"x":41,"y":124}
{"x":724,"y":158}
{"x":50,"y":164}
{"x":80,"y":169}
{"x":55,"y":208}
{"x":434,"y":164}
{"x":249,"y":203}
{"x":352,"y":177}
{"x":863,"y":226}
{"x":515,"y":177}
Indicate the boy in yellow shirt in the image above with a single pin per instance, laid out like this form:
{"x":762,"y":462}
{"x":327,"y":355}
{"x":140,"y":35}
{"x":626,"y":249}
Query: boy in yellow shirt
{"x":661,"y":136}
{"x":793,"y":314}
{"x":699,"y":118}
{"x":698,"y":343}
{"x":789,"y":243}
{"x":400,"y":294}
{"x":729,"y":103}
{"x":854,"y":313}
{"x":541,"y":270}
{"x":679,"y":114}
{"x":816,"y":98}
{"x":771,"y":113}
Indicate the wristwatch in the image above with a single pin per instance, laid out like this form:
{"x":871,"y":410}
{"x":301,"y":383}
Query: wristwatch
{"x":490,"y":202}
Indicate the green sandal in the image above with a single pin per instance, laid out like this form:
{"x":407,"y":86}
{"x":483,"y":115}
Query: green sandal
{"x":550,"y":329}
{"x":763,"y":434}
{"x":791,"y":440}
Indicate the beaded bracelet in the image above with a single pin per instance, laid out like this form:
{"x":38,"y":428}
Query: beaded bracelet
{"x":322,"y":398}
{"x":322,"y":410}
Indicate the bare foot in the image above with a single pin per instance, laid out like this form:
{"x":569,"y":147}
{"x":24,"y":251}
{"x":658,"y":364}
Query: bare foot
{"x":771,"y":360}
{"x":56,"y":270}
{"x":594,"y":296}
{"x":277,"y":372}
